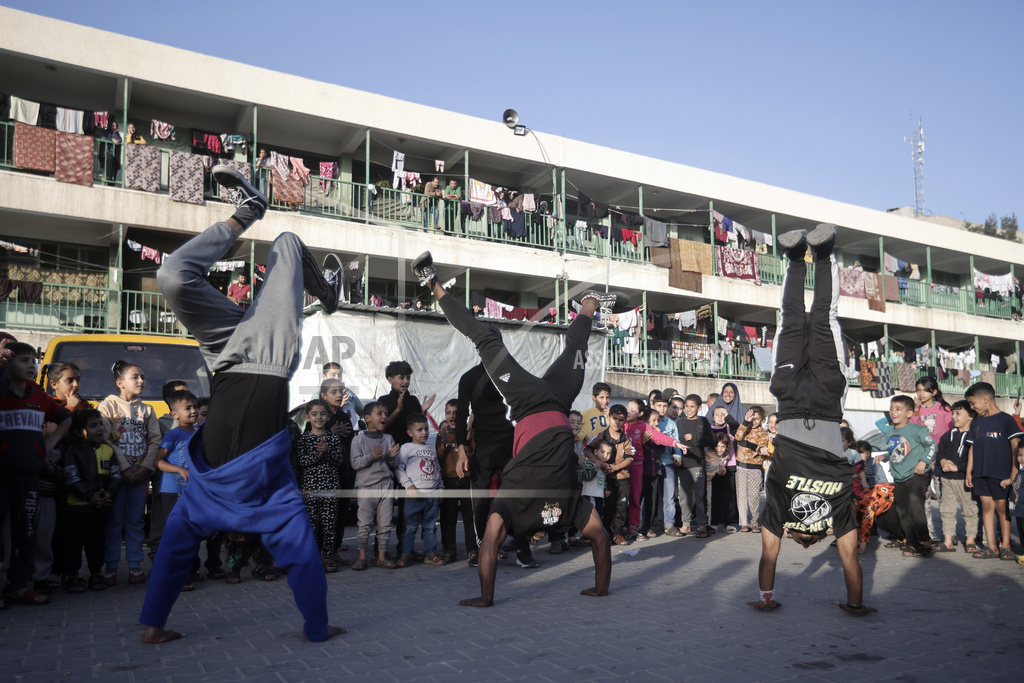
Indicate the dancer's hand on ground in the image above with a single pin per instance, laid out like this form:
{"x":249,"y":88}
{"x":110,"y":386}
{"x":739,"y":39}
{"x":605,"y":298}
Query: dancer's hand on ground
{"x":855,"y":610}
{"x":765,"y":605}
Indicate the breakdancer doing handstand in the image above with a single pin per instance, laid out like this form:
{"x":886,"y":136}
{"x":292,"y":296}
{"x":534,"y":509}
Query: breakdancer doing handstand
{"x":240,"y":478}
{"x":810,"y":483}
{"x":540,"y":489}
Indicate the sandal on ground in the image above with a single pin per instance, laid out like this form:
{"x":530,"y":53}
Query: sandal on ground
{"x":970,"y":548}
{"x":416,"y":557}
{"x":97,"y":583}
{"x":76,"y":584}
{"x":502,"y":555}
{"x":265,"y":572}
{"x":702,"y":533}
{"x":217,"y":574}
{"x":26,"y":596}
{"x":434,"y":559}
{"x":389,"y":564}
{"x":136,"y":575}
{"x":579,"y":543}
{"x":894,"y":544}
{"x":920,"y":551}
{"x":942,"y":548}
{"x":233,"y":577}
{"x":984,"y":553}
{"x":755,"y":529}
{"x":448,"y":558}
{"x":619,"y":540}
{"x":1006,"y":554}
{"x":640,"y":536}
{"x":403,"y":561}
{"x":330,"y":566}
{"x":358,"y":566}
{"x":342,"y":561}
{"x":672,"y":531}
{"x":745,"y":529}
{"x":556,"y":549}
{"x":188,"y":588}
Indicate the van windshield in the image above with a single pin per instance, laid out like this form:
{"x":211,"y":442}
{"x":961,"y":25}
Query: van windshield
{"x":159,"y":362}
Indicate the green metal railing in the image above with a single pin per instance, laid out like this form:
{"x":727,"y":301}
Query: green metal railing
{"x":730,"y":366}
{"x":148,"y":313}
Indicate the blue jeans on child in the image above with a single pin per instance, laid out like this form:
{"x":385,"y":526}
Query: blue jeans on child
{"x":126,"y":513}
{"x":421,"y":511}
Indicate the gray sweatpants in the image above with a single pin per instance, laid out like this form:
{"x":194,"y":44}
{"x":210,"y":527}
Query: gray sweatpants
{"x":263,"y":340}
{"x":376,"y":509}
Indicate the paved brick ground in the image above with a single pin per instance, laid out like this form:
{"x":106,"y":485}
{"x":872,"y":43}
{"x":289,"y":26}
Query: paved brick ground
{"x":677,"y":610}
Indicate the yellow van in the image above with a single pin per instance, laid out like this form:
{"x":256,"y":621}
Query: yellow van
{"x":161,"y":359}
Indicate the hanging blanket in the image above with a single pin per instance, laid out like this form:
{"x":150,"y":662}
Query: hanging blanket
{"x":868,"y":375}
{"x":905,"y":377}
{"x":242,"y":167}
{"x":35,"y":148}
{"x":892,"y":288}
{"x":873,"y":291}
{"x":851,"y":282}
{"x":74,"y":159}
{"x":186,"y":179}
{"x":481,"y":193}
{"x":885,"y":387}
{"x":738,"y":264}
{"x":142,"y":171}
{"x":286,"y":191}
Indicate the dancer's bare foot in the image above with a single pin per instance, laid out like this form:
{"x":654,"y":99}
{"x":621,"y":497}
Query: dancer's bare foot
{"x":765,"y":605}
{"x":476,"y":602}
{"x":155,"y":635}
{"x":594,"y":592}
{"x":331,"y":631}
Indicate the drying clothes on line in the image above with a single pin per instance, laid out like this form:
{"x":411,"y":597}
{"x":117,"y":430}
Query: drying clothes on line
{"x":481,"y":193}
{"x":890,"y":263}
{"x":299,"y":170}
{"x":739,"y":265}
{"x":628,"y":320}
{"x":994,"y":283}
{"x":74,"y":155}
{"x":892,"y":288}
{"x":397,"y":167}
{"x":656,"y":231}
{"x":516,"y":224}
{"x":873,"y":291}
{"x":159,"y":130}
{"x":529,"y":202}
{"x":328,"y":171}
{"x":763,"y":358}
{"x":142,"y":168}
{"x":905,"y":377}
{"x":29,"y":292}
{"x":410,"y":180}
{"x":35,"y":148}
{"x":24,"y":111}
{"x":438,"y":166}
{"x":186,"y":178}
{"x":70,"y":120}
{"x":687,"y":320}
{"x":995,"y":361}
{"x":868,"y":375}
{"x":242,"y":167}
{"x":100,"y":119}
{"x":494,"y":309}
{"x":475,"y":211}
{"x":18,"y":249}
{"x":225,"y":266}
{"x":149,"y":254}
{"x":206,"y":142}
{"x":280,"y":165}
{"x":851,"y":283}
{"x":915,"y":272}
{"x":134,"y":246}
{"x":286,"y":190}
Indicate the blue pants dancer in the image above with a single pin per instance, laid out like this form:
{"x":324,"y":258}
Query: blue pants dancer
{"x":540,"y":487}
{"x":810,"y":484}
{"x":240,"y":476}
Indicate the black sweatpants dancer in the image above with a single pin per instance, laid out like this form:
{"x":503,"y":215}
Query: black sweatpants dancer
{"x":524,"y":393}
{"x":488,"y":459}
{"x":909,"y":496}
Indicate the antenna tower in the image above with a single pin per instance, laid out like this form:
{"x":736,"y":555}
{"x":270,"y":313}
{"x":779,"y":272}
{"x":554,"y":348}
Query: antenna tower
{"x":916,"y":140}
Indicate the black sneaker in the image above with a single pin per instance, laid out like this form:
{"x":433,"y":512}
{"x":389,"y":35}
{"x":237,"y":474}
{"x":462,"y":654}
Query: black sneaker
{"x":473,"y":561}
{"x":524,"y":558}
{"x":423,"y":268}
{"x":822,"y":240}
{"x":335,"y":273}
{"x":323,"y":284}
{"x":608,"y":301}
{"x":240,"y":191}
{"x":794,"y":244}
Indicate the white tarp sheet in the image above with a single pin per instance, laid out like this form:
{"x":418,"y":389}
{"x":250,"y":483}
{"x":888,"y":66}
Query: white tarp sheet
{"x":363,"y":343}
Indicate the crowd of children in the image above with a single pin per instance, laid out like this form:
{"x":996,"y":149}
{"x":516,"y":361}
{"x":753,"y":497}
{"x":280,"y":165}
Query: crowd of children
{"x":78,"y":480}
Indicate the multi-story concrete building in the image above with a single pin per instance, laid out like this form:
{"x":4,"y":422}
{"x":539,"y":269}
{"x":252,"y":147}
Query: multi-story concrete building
{"x":83,"y":219}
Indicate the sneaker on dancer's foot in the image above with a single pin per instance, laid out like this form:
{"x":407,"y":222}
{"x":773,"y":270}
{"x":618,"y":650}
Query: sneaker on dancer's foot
{"x":334,"y":274}
{"x":423,"y":268}
{"x":524,"y":558}
{"x":794,"y":244}
{"x":609,"y":301}
{"x":240,"y":191}
{"x":323,"y":284}
{"x":822,"y":240}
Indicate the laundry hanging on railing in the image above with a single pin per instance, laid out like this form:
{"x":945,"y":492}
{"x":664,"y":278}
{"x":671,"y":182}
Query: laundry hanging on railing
{"x":397,"y":167}
{"x":1003,"y":284}
{"x":226,"y":266}
{"x":160,"y":130}
{"x":738,"y":264}
{"x":70,"y":120}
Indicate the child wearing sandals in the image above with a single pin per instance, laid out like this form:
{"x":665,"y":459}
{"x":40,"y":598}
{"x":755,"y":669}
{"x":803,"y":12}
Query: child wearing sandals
{"x":91,"y":477}
{"x":419,"y":473}
{"x":373,"y":458}
{"x":320,"y":453}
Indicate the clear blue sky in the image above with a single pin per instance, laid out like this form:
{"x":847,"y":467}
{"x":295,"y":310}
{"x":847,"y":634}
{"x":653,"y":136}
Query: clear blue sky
{"x":810,"y":96}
